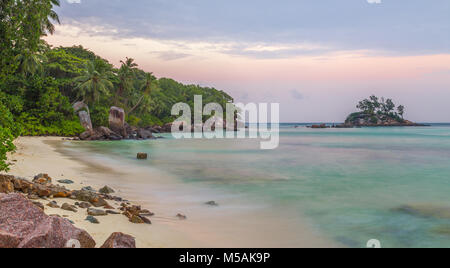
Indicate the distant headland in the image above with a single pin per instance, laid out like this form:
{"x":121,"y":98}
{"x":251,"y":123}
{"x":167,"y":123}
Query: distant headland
{"x":376,"y":112}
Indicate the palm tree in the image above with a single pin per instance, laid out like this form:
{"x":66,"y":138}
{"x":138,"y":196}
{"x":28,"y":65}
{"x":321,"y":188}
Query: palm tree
{"x":92,"y":83}
{"x":146,"y":90}
{"x":126,"y":75}
{"x":47,"y":25}
{"x":30,"y":63}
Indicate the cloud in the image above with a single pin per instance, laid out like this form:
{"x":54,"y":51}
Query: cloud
{"x":170,"y":55}
{"x":283,"y":30}
{"x":297,"y":95}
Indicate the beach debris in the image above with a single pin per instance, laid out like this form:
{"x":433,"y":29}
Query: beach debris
{"x":66,"y":181}
{"x":92,"y":219}
{"x":142,"y":156}
{"x":96,"y":212}
{"x":53,"y":204}
{"x":212,"y":203}
{"x":69,"y":207}
{"x":23,"y":225}
{"x":42,"y":179}
{"x":106,"y":190}
{"x":181,"y":216}
{"x":119,"y":240}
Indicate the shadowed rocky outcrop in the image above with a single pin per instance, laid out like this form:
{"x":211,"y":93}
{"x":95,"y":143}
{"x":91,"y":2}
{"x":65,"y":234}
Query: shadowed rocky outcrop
{"x":24,"y":225}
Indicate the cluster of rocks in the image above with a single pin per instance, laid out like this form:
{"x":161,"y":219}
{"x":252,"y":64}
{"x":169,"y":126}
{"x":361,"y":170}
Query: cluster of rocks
{"x":23,"y":222}
{"x":118,"y":129}
{"x":136,"y":214}
{"x":25,"y":225}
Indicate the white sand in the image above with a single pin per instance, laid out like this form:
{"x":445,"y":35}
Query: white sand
{"x":225,"y":226}
{"x":34,"y":155}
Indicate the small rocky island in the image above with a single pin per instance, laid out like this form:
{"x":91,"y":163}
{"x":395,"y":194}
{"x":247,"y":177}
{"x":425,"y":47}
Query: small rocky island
{"x":378,"y":112}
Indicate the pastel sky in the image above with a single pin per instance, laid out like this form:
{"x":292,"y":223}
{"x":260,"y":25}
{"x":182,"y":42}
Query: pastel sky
{"x":316,"y":58}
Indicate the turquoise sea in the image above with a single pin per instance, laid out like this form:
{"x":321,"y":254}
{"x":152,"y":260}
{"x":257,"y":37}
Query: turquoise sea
{"x":350,"y":185}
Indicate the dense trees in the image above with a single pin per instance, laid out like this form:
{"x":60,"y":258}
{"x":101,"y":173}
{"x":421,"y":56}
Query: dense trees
{"x":384,"y":108}
{"x":38,"y":83}
{"x":22,"y":24}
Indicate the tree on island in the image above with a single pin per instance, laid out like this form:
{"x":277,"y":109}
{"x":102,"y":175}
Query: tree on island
{"x":385,"y":107}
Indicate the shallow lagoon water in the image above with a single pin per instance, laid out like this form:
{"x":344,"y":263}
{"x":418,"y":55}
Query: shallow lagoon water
{"x":348,"y":184}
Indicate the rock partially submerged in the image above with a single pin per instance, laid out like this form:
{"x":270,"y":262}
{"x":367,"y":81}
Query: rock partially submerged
{"x":142,"y":156}
{"x":119,"y":240}
{"x":425,"y":211}
{"x":23,"y":225}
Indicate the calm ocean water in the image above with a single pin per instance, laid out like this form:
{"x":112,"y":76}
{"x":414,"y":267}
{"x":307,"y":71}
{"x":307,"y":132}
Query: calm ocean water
{"x":348,"y":183}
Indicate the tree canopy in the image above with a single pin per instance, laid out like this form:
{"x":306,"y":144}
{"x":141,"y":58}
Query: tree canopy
{"x":39,"y":83}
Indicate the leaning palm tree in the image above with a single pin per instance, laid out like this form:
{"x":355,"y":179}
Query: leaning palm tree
{"x":46,"y":24}
{"x":92,"y":83}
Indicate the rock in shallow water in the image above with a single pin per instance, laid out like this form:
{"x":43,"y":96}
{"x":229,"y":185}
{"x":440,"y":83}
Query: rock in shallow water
{"x":24,"y":225}
{"x":212,"y":203}
{"x":426,"y":211}
{"x":142,"y":156}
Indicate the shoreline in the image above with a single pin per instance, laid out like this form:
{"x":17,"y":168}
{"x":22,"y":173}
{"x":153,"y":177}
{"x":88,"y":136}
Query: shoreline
{"x":204,"y":227}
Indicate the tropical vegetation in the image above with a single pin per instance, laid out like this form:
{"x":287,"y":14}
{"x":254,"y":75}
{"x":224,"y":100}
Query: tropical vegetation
{"x":39,"y":83}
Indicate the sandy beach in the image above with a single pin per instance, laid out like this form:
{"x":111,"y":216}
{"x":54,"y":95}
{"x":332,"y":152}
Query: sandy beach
{"x":205,"y":227}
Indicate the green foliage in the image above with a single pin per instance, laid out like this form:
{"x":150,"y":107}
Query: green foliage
{"x":99,"y":115}
{"x":8,"y":131}
{"x":384,"y":108}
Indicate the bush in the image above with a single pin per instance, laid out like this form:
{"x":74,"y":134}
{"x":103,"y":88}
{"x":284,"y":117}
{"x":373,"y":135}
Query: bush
{"x":8,"y":132}
{"x":99,"y":116}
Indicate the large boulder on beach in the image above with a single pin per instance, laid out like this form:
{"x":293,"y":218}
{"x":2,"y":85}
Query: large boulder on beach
{"x":85,"y":120}
{"x":117,"y":121}
{"x":24,"y":225}
{"x":119,"y":240}
{"x":84,"y":115}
